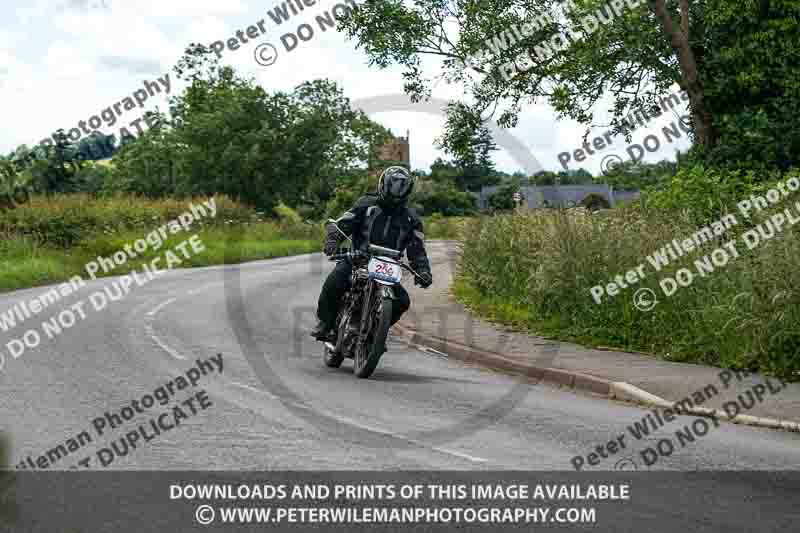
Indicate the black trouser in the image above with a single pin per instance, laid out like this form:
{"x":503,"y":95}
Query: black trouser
{"x":336,"y":285}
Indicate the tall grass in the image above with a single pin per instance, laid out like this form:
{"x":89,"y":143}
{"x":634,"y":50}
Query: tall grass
{"x":440,"y":227}
{"x":535,"y":271}
{"x":52,"y":239}
{"x":63,"y":220}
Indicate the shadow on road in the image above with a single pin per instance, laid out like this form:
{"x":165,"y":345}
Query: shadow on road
{"x":6,"y":479}
{"x":394,"y":376}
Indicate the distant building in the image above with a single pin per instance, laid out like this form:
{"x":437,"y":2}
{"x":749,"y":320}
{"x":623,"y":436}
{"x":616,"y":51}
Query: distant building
{"x":535,"y":197}
{"x":397,"y":151}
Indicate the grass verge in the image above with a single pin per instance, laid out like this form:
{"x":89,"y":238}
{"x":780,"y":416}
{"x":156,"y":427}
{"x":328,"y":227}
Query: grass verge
{"x":535,"y":271}
{"x":52,"y":240}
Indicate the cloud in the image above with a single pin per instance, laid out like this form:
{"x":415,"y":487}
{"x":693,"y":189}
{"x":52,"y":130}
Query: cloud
{"x":87,"y":5}
{"x":181,"y":8}
{"x":145,"y":67}
{"x":65,"y":62}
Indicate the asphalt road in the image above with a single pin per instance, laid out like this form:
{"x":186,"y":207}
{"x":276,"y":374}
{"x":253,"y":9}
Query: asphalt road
{"x":276,"y":406}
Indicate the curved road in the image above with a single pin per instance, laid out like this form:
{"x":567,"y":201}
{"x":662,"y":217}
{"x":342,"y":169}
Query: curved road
{"x":276,"y":406}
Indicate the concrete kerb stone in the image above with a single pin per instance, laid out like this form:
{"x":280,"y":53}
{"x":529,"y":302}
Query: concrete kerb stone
{"x":616,"y":390}
{"x":628,"y":392}
{"x":496,"y":361}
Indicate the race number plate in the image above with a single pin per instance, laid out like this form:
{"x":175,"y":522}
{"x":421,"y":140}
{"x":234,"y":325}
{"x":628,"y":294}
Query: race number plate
{"x":384,"y":271}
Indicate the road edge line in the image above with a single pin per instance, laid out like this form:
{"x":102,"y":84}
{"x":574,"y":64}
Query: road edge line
{"x":615,"y":390}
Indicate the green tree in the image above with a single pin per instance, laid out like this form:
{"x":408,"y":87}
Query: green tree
{"x":15,"y":187}
{"x":737,"y":62}
{"x":632,"y":175}
{"x":470,"y":143}
{"x":545,"y":177}
{"x":144,"y":166}
{"x":442,"y":197}
{"x":96,"y":146}
{"x":444,"y":171}
{"x":226,"y":134}
{"x":503,"y":198}
{"x":62,"y":165}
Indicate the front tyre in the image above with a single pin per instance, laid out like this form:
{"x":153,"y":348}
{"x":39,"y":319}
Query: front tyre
{"x":369,"y":353}
{"x":332,"y":359}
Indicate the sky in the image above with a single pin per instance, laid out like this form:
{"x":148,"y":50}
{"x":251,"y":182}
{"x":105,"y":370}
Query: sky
{"x":64,"y":61}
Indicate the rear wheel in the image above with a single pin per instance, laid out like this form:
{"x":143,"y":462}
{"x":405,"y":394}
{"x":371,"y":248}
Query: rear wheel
{"x":368,"y":353}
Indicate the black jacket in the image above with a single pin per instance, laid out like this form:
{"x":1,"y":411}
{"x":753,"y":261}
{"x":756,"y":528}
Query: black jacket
{"x":399,"y":228}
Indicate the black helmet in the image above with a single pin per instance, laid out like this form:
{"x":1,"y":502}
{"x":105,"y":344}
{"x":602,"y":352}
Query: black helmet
{"x":395,"y":185}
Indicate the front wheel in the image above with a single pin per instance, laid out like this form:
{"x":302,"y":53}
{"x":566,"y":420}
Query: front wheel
{"x":332,"y":359}
{"x":369,"y":351}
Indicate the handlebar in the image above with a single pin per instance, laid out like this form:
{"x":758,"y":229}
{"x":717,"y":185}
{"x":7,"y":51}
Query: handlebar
{"x":358,"y":254}
{"x":355,"y":254}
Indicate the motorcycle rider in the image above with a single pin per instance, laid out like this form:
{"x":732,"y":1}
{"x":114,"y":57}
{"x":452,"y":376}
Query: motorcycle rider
{"x":382,"y":219}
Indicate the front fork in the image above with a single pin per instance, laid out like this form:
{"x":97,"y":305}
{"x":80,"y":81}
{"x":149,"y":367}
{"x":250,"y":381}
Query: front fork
{"x":374,"y":290}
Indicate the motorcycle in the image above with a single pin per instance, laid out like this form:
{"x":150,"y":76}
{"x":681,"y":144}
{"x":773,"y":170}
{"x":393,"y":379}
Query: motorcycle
{"x":362,"y":324}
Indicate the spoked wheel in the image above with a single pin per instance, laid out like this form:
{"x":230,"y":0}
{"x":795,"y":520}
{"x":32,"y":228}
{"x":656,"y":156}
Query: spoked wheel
{"x":368,"y":353}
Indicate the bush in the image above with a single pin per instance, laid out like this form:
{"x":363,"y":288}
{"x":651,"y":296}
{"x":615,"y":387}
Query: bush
{"x":503,"y":198}
{"x":595,"y":202}
{"x":15,"y":187}
{"x":542,"y":266}
{"x":54,"y":239}
{"x":287,"y":215}
{"x":64,"y":220}
{"x":442,"y":198}
{"x":345,"y":195}
{"x":440,"y":227}
{"x":94,"y":179}
{"x":707,"y":194}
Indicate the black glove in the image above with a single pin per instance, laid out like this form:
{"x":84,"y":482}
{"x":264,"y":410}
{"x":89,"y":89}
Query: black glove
{"x":424,"y":280}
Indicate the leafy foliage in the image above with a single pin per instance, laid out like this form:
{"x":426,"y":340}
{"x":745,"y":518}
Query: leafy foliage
{"x":535,"y":271}
{"x":503,"y":198}
{"x":631,"y":175}
{"x":54,"y":237}
{"x":15,"y":188}
{"x":706,"y":194}
{"x":228,"y":136}
{"x":736,"y":60}
{"x":64,"y":220}
{"x":471,"y":145}
{"x":443,"y":198}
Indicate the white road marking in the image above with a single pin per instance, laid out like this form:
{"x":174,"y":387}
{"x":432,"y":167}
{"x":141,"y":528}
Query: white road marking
{"x":150,"y":315}
{"x":148,"y":328}
{"x":151,"y":333}
{"x":259,"y":391}
{"x":462,"y":455}
{"x":370,"y":428}
{"x":160,"y":306}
